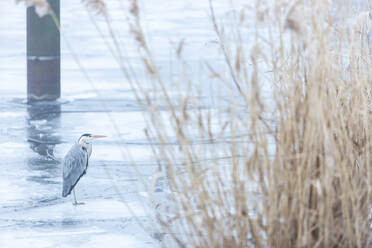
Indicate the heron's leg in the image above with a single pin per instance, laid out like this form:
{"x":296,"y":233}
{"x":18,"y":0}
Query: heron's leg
{"x":75,"y":202}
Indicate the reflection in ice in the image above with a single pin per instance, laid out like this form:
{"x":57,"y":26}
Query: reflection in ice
{"x":43,"y":121}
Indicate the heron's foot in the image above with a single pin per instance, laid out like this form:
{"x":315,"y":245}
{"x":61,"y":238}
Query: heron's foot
{"x":78,"y":203}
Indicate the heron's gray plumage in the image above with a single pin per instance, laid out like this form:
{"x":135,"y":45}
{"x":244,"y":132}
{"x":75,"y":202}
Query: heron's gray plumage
{"x":75,"y":165}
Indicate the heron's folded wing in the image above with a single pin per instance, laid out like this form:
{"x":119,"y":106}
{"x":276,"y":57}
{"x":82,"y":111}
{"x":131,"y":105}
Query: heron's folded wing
{"x":74,"y":166}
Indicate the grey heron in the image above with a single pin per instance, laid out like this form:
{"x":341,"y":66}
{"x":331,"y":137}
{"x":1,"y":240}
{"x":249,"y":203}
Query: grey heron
{"x":75,"y":164}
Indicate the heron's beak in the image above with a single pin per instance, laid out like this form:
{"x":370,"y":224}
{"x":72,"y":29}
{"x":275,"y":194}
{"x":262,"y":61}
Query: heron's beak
{"x":98,"y":136}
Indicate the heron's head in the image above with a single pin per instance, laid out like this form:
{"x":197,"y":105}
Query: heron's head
{"x":85,"y":138}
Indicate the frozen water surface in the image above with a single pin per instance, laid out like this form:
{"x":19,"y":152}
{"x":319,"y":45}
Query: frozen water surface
{"x":34,"y":138}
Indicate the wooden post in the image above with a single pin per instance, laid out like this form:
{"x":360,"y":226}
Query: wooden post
{"x":43,"y":55}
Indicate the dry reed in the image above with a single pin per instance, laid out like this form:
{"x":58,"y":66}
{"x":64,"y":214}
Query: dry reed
{"x":301,"y":176}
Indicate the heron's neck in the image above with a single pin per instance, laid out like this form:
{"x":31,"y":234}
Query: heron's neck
{"x":87,"y":146}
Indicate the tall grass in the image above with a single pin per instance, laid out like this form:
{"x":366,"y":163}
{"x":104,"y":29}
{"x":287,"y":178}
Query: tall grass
{"x":301,"y":176}
{"x":284,"y":158}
